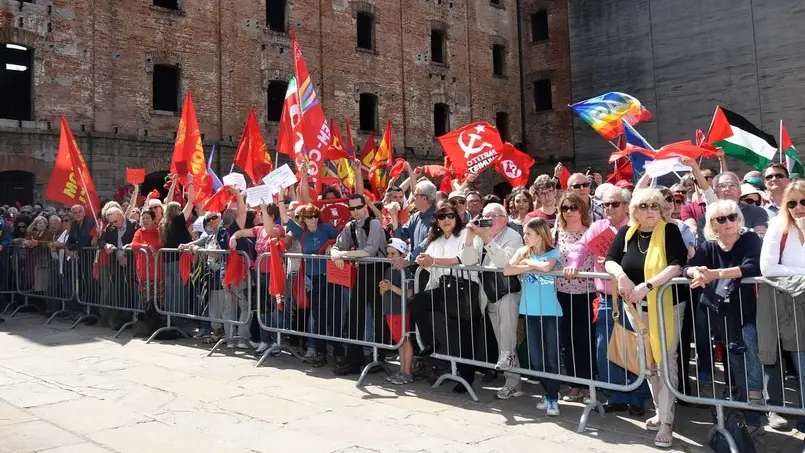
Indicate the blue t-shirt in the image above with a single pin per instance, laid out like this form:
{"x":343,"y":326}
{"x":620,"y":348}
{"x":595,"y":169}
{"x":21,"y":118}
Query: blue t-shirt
{"x":538,"y":297}
{"x":313,"y":242}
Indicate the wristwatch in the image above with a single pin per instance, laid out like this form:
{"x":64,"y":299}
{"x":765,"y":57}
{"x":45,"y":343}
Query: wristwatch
{"x":649,"y":286}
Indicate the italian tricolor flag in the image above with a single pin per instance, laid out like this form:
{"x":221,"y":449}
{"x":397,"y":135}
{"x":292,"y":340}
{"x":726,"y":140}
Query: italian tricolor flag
{"x":741,"y":139}
{"x":787,"y":150}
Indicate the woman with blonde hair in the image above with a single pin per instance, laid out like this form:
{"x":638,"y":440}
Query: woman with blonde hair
{"x":783,"y":255}
{"x":575,"y":295}
{"x":644,"y":256}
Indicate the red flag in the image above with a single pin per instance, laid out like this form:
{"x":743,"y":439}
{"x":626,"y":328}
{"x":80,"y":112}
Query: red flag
{"x":188,"y":146}
{"x":252,"y":154}
{"x":472,"y":148}
{"x":368,"y":152}
{"x":686,"y":148}
{"x":185,"y":264}
{"x":515,"y":165}
{"x":70,"y":182}
{"x":236,"y":268}
{"x":564,"y":177}
{"x":700,"y":137}
{"x":336,"y":149}
{"x":349,"y":145}
{"x":285,"y":134}
{"x":276,"y":285}
{"x":381,"y":164}
{"x":435,"y":171}
{"x":312,"y":126}
{"x":219,"y":201}
{"x":623,"y":171}
{"x":397,"y":168}
{"x":446,"y":185}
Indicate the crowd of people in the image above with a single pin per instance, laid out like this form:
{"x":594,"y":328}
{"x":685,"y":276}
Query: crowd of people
{"x":415,"y":256}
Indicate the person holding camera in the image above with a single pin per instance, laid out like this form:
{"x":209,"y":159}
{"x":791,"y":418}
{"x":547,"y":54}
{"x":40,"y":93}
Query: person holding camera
{"x":497,"y":243}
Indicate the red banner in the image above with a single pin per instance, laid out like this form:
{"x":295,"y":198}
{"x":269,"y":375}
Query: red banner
{"x":188,"y":142}
{"x":515,"y":165}
{"x":252,"y":155}
{"x":70,"y":182}
{"x":312,"y":133}
{"x":472,"y":148}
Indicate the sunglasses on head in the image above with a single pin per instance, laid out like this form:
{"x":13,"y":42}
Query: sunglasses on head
{"x":751,"y":201}
{"x":774,"y":176}
{"x":579,"y":186}
{"x":612,"y":204}
{"x":793,"y":203}
{"x":356,"y":208}
{"x":566,"y":208}
{"x":724,"y":218}
{"x":647,"y":206}
{"x":446,"y":215}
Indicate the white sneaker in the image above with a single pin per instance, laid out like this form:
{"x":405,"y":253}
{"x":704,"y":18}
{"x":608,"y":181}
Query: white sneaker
{"x":506,"y":393}
{"x":505,"y":362}
{"x":261,"y":348}
{"x":543,"y":404}
{"x":230,"y":345}
{"x":254,"y":344}
{"x":553,"y":408}
{"x":242,"y":345}
{"x":776,"y":421}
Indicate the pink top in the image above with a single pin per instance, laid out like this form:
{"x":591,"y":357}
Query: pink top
{"x":577,"y":257}
{"x":261,"y":244}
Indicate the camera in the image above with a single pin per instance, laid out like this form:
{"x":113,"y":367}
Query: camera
{"x":482,"y":223}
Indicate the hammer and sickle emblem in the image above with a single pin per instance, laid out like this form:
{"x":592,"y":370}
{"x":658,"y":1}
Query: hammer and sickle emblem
{"x":470,"y":148}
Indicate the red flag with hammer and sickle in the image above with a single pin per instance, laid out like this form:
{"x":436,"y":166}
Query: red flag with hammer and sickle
{"x":472,"y":148}
{"x":515,"y":165}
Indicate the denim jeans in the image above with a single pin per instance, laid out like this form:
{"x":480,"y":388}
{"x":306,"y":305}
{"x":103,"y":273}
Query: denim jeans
{"x":543,"y":345}
{"x":609,"y":372}
{"x":178,"y":297}
{"x":799,"y":362}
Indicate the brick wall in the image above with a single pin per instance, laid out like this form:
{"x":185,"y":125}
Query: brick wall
{"x":94,"y":64}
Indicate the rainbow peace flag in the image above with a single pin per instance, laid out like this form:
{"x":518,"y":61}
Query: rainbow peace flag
{"x":604,"y":113}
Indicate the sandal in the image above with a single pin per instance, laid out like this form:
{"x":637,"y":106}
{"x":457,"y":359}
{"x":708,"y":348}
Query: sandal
{"x":665,"y":436}
{"x":653,"y":424}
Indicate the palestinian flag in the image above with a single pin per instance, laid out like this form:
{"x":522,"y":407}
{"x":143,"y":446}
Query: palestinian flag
{"x":741,"y":139}
{"x":787,"y":150}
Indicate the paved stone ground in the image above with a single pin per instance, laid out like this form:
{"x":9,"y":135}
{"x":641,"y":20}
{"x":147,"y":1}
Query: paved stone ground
{"x":81,"y":391}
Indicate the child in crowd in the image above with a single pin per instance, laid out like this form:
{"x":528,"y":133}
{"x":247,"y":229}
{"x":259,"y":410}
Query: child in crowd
{"x":539,"y":303}
{"x":391,"y":291}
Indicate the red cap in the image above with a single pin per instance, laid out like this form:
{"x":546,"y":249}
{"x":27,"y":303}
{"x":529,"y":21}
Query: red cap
{"x":153,"y":195}
{"x":624,"y":184}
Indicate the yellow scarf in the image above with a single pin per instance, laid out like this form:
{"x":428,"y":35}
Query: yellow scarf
{"x":656,"y":262}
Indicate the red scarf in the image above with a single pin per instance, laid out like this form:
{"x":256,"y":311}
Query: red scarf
{"x":236,"y":267}
{"x":185,"y":263}
{"x":276,"y":248}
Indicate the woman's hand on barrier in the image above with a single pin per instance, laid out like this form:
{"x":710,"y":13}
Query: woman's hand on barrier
{"x":233,"y":243}
{"x":570,"y":272}
{"x":639,"y":293}
{"x":625,"y":286}
{"x":385,"y":286}
{"x":424,"y":260}
{"x":702,"y":276}
{"x":339,"y":263}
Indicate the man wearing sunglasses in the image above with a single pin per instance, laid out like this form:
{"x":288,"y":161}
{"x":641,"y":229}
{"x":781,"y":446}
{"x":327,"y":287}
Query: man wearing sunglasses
{"x":459,"y":200}
{"x":777,"y":179}
{"x":727,"y":186}
{"x":362,"y":237}
{"x":418,"y":225}
{"x":580,"y":185}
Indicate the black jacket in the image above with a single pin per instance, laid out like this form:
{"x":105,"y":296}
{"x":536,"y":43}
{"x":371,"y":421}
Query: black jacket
{"x":109,"y":235}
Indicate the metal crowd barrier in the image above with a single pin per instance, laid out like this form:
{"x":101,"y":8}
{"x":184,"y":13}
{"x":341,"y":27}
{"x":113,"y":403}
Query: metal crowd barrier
{"x":728,"y":364}
{"x":194,"y":290}
{"x":19,"y":279}
{"x":345,"y":314}
{"x":40,"y":275}
{"x":112,"y":284}
{"x":473,"y":337}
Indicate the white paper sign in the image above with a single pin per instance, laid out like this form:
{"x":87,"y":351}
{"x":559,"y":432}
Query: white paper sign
{"x":235,"y":180}
{"x":661,"y":167}
{"x":258,"y":194}
{"x":280,"y":178}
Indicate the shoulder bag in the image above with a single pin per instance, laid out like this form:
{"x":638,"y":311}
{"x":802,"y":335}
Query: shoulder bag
{"x":623,"y":344}
{"x":496,"y":285}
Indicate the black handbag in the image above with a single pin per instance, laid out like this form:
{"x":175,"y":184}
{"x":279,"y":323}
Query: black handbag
{"x":461,"y":297}
{"x":496,"y":285}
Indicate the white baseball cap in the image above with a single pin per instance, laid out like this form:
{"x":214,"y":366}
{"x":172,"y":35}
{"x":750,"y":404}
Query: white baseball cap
{"x":399,"y":245}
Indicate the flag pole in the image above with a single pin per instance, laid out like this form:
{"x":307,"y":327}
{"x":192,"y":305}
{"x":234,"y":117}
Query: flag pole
{"x":712,"y":120}
{"x":780,"y":143}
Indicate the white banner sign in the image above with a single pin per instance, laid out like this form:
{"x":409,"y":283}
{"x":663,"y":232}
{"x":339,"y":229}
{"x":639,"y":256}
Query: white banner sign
{"x":280,"y":178}
{"x":257,"y":195}
{"x":235,"y":180}
{"x":657,"y":168}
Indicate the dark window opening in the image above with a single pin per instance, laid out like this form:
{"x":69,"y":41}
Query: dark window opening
{"x":437,"y":46}
{"x":539,"y":26}
{"x":275,"y":99}
{"x":275,"y":15}
{"x":16,"y":82}
{"x":502,"y":123}
{"x":170,"y":4}
{"x":16,"y":187}
{"x":496,"y":2}
{"x":542,"y":95}
{"x":498,"y":59}
{"x":441,"y":119}
{"x":366,"y":31}
{"x":368,"y":112}
{"x":166,"y":88}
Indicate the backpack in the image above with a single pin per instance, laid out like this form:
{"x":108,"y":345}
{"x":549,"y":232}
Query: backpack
{"x":367,"y":225}
{"x":735,"y":424}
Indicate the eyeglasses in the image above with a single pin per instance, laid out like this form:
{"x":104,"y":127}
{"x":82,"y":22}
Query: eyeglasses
{"x":357,"y":208}
{"x":647,"y":206}
{"x":572,"y":208}
{"x":774,"y":176}
{"x":579,"y":186}
{"x":723,"y":219}
{"x":727,"y":186}
{"x":612,"y":204}
{"x":793,"y":203}
{"x":751,"y":201}
{"x":311,"y":216}
{"x":669,"y":199}
{"x":447,"y":215}
{"x":458,"y":201}
{"x":707,"y":178}
{"x":214,"y":217}
{"x":544,"y":193}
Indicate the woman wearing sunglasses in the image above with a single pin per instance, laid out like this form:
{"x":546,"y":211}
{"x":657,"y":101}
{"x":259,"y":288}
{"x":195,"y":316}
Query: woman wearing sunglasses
{"x":783,"y":255}
{"x":726,"y":308}
{"x":575,"y":295}
{"x":643,"y":257}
